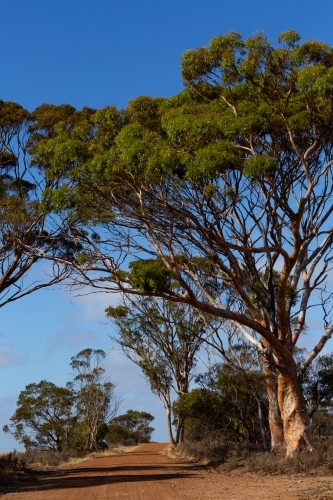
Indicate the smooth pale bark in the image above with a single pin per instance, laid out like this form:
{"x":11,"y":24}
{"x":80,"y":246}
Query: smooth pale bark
{"x":169,"y":427}
{"x":295,"y":417}
{"x":183,"y":387}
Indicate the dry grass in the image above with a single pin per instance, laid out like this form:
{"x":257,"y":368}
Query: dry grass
{"x":17,"y":462}
{"x":230,"y":456}
{"x":100,"y":454}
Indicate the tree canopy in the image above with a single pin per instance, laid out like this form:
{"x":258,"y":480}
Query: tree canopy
{"x":28,"y":233}
{"x":44,"y":417}
{"x":133,"y":426}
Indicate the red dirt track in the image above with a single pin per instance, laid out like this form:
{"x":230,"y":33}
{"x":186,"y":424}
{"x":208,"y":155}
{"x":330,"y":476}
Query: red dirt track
{"x":146,"y":474}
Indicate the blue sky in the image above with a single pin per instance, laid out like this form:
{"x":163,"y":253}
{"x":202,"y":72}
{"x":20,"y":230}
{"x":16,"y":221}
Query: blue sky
{"x":97,"y":53}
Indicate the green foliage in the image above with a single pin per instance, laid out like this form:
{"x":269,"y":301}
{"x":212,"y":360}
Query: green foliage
{"x":144,"y":110}
{"x":224,"y":408}
{"x":203,"y":414}
{"x":44,"y":417}
{"x":289,"y":38}
{"x":150,"y":276}
{"x":258,"y":166}
{"x":12,"y":115}
{"x":213,"y":160}
{"x":116,"y":312}
{"x":133,"y":426}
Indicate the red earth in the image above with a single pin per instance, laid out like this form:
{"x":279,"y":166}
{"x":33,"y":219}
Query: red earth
{"x":146,"y":473}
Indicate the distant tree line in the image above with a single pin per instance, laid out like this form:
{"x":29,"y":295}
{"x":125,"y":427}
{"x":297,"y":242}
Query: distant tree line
{"x":80,"y":416}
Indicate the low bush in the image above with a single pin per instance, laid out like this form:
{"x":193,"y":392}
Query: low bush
{"x":230,"y":456}
{"x":205,"y":451}
{"x":16,"y":462}
{"x":10,"y":463}
{"x":50,"y":458}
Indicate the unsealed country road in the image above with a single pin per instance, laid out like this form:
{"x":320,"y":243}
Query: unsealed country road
{"x":146,"y":474}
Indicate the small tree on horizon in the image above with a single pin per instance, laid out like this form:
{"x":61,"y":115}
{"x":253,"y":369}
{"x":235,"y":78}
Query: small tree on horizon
{"x":132,"y":425}
{"x":44,"y":418}
{"x":95,"y":398}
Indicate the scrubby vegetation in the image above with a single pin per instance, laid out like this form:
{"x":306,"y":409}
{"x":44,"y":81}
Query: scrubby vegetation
{"x":229,"y":456}
{"x":226,"y":420}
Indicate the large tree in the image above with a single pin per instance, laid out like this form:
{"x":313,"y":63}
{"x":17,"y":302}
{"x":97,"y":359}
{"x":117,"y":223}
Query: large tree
{"x":224,"y":189}
{"x":75,"y":416}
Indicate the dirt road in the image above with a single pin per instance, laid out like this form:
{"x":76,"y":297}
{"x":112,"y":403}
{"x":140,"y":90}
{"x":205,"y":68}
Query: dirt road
{"x":145,"y":474}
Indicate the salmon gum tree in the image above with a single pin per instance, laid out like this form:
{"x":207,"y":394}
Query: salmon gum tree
{"x":219,"y":197}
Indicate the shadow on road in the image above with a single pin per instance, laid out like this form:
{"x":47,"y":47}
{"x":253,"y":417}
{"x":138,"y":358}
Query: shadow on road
{"x":82,"y":477}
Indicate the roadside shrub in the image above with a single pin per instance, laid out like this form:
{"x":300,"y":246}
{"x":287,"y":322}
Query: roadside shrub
{"x":205,"y":451}
{"x":16,"y":462}
{"x":10,"y":463}
{"x":49,"y":458}
{"x":129,"y":429}
{"x":230,"y":456}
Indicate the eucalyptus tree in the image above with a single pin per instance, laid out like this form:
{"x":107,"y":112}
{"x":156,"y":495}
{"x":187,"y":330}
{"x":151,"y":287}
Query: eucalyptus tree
{"x":44,"y":418}
{"x":27,"y":231}
{"x":133,"y":425}
{"x":163,"y":338}
{"x":225,"y":189}
{"x":224,"y":407}
{"x":95,"y":398}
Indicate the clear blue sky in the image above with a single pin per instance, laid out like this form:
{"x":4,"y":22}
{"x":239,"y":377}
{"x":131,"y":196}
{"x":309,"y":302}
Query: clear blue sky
{"x":97,"y":53}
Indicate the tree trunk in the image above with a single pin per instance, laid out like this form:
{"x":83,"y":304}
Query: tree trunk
{"x":274,"y":418}
{"x":295,"y":417}
{"x":169,"y":427}
{"x":262,"y":426}
{"x":183,"y":386}
{"x":180,"y":431}
{"x":88,"y":441}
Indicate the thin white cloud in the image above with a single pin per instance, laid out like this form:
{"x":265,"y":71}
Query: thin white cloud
{"x":10,"y":356}
{"x":73,"y":336}
{"x":94,"y":304}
